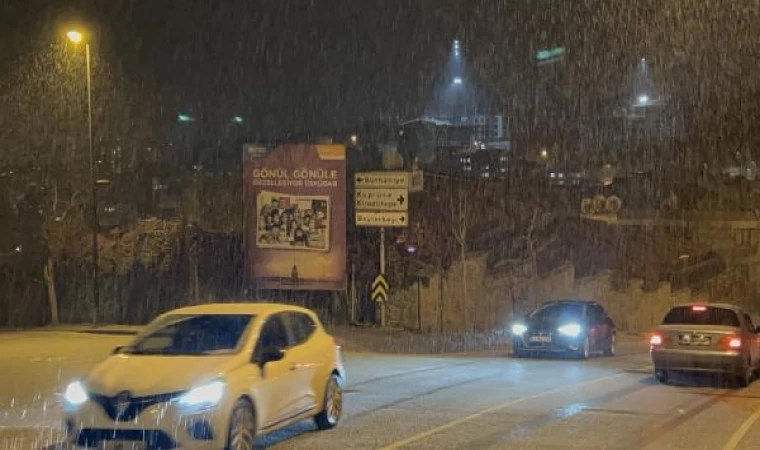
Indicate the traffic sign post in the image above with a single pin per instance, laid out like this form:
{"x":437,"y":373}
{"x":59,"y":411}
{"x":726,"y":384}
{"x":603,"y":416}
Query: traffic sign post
{"x":382,"y":200}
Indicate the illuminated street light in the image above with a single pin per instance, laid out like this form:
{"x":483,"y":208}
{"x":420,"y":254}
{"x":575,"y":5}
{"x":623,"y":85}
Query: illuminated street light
{"x":237,"y":119}
{"x":354,"y":139}
{"x":643,"y":99}
{"x":76,"y":37}
{"x":182,"y":117}
{"x":457,"y":80}
{"x":544,"y":153}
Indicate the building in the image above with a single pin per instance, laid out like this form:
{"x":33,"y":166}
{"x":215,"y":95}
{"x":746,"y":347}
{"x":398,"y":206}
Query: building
{"x":487,"y":129}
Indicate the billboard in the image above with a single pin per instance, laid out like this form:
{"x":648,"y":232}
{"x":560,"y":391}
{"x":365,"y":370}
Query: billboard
{"x":296,"y":216}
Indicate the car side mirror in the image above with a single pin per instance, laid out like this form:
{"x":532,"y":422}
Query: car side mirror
{"x":118,"y":349}
{"x":271,"y":354}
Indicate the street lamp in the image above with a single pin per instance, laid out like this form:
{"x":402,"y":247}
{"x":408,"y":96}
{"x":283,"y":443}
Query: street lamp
{"x":76,"y":37}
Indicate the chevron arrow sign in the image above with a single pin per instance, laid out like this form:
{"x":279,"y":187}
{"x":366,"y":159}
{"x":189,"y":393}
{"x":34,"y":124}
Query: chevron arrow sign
{"x":380,"y":289}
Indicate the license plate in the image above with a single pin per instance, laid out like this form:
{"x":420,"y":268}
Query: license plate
{"x":540,"y":339}
{"x":691,"y":339}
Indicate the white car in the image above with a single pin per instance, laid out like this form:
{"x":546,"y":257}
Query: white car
{"x":212,"y":376}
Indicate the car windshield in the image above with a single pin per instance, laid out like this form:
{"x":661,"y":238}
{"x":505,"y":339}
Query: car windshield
{"x":209,"y":334}
{"x":687,"y":315}
{"x":555,"y":311}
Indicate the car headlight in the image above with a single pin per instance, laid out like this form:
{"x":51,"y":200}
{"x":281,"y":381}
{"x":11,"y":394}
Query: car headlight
{"x":75,"y":394}
{"x":203,"y":396}
{"x":571,"y":329}
{"x":518,"y":329}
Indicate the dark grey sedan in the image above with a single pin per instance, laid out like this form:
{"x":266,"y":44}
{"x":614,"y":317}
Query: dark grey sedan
{"x":714,"y":338}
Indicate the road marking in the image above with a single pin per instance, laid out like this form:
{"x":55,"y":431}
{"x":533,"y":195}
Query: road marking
{"x":461,"y":420}
{"x":738,"y":435}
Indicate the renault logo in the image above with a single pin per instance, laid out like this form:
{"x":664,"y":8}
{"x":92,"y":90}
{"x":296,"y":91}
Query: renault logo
{"x":121,"y":403}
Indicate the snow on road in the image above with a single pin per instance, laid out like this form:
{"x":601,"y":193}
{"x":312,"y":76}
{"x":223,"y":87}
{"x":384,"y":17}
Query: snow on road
{"x":35,"y":366}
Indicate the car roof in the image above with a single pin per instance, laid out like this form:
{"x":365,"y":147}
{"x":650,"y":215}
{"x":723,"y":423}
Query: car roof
{"x":260,"y":309}
{"x":571,"y":300}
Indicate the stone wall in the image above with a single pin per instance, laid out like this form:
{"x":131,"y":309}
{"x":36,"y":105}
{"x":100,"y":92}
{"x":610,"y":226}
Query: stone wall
{"x":491,"y":302}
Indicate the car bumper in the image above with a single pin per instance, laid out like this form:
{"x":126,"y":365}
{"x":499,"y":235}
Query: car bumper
{"x":161,"y":426}
{"x":697,"y":361}
{"x":558,"y":344}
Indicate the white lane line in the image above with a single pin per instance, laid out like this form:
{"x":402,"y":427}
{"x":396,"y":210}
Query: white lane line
{"x":738,"y":435}
{"x":461,"y":420}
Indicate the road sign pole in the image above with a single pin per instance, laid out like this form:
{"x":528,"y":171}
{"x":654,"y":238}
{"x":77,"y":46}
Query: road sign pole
{"x":382,"y":251}
{"x":382,"y":273}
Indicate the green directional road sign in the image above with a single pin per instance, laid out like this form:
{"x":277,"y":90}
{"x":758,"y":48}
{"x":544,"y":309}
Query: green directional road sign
{"x":380,"y":289}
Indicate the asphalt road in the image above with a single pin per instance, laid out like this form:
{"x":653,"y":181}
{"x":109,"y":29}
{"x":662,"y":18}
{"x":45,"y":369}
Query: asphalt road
{"x":437,"y":402}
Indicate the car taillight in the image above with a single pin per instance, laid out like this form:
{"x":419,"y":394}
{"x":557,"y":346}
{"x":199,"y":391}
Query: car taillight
{"x":732,"y":342}
{"x":658,"y":339}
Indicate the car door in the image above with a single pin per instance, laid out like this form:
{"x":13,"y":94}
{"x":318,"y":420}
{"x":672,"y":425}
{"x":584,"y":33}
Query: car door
{"x":608,"y":326}
{"x":275,"y":399}
{"x":598,"y":328}
{"x":307,"y":360}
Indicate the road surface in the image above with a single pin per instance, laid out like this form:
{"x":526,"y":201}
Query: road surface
{"x":411,"y":402}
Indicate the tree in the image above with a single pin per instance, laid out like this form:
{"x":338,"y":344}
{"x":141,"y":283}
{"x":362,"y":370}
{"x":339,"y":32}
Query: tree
{"x":459,"y":205}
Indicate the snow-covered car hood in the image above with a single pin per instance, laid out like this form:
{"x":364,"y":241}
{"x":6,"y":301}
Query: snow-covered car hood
{"x":149,"y":375}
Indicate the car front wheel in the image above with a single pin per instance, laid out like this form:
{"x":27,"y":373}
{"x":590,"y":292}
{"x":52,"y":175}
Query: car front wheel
{"x":242,"y":426}
{"x":330,"y":415}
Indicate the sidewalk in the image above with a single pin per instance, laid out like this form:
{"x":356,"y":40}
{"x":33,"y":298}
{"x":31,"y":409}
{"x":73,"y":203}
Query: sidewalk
{"x":119,"y":330}
{"x":366,"y":339}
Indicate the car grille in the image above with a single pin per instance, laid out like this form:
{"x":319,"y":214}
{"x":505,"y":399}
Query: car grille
{"x":155,"y":440}
{"x":134,"y":406}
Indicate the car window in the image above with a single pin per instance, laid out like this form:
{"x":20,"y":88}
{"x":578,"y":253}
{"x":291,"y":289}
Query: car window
{"x":701,"y":315}
{"x":302,"y":327}
{"x":556,"y":311}
{"x":596,"y":313}
{"x":181,"y":334}
{"x":273,"y":334}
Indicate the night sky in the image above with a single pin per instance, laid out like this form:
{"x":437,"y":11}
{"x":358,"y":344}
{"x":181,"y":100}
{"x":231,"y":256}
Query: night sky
{"x":302,"y":64}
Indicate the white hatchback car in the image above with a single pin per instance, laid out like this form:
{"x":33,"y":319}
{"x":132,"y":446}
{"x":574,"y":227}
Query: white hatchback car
{"x":210,"y":376}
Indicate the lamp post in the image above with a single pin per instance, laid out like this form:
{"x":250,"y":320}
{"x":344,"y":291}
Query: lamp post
{"x":76,"y":37}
